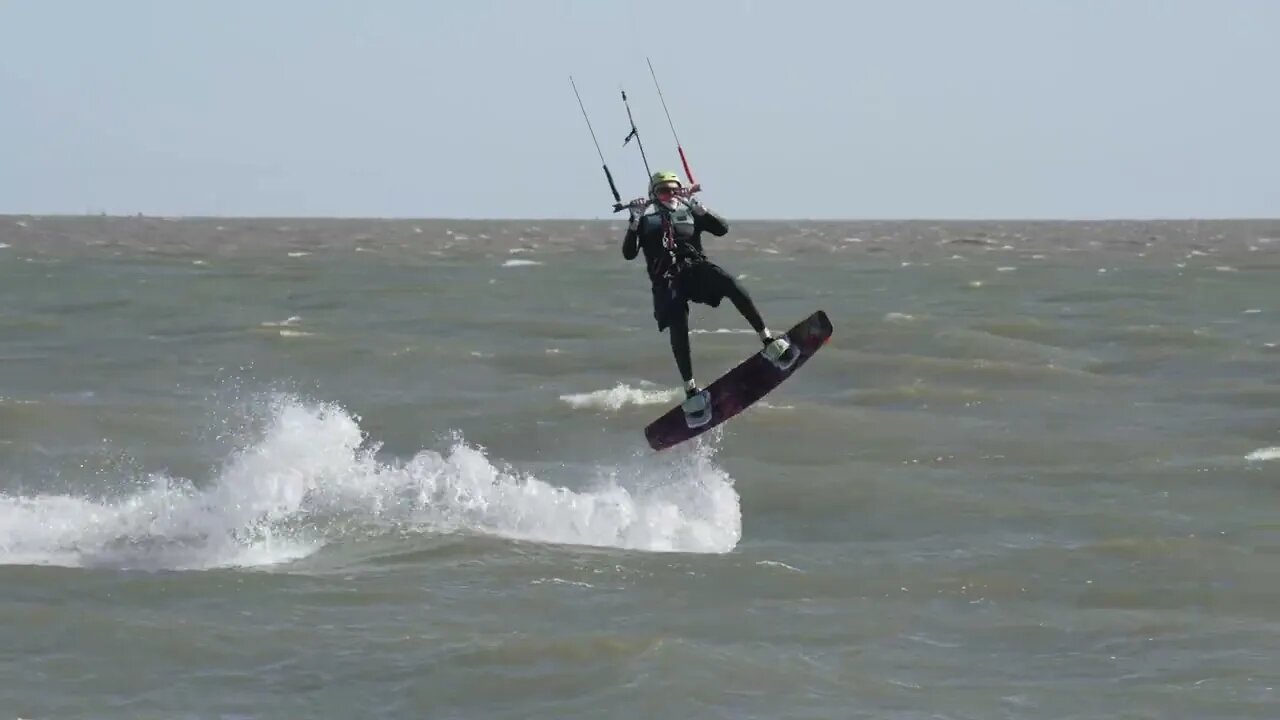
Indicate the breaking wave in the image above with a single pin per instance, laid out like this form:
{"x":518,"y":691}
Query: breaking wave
{"x":310,"y":477}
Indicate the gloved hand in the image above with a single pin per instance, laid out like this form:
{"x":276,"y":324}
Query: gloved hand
{"x":637,"y":209}
{"x":695,"y":206}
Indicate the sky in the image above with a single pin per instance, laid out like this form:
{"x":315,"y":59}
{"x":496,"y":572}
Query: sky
{"x":809,"y":109}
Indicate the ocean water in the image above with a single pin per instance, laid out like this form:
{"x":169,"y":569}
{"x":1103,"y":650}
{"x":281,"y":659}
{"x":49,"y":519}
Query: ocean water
{"x":291,"y":468}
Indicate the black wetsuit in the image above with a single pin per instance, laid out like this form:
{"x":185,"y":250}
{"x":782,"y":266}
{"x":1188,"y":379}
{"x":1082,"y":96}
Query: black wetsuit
{"x":680,"y":273}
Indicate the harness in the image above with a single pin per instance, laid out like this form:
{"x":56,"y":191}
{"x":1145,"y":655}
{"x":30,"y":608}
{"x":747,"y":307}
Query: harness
{"x":669,"y":266}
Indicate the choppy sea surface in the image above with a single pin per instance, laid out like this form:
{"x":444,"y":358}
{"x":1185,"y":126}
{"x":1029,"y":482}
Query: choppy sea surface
{"x":260,"y":468}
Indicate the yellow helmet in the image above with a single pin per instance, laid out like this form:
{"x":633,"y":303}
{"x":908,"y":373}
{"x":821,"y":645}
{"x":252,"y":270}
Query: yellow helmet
{"x":664,"y":177}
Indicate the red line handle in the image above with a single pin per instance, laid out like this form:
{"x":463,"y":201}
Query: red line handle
{"x":687,"y":172}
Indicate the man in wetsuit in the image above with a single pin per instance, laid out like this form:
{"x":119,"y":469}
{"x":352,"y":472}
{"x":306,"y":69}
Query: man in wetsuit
{"x":669,"y":231}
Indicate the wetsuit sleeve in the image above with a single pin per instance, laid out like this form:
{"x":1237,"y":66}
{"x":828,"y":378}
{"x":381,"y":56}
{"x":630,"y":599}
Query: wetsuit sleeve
{"x":631,"y":244}
{"x":711,"y":222}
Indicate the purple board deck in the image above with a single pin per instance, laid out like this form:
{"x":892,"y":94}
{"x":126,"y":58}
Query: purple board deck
{"x":737,"y":389}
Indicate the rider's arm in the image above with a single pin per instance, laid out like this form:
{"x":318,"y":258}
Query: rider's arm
{"x":708,"y":221}
{"x":631,"y":243}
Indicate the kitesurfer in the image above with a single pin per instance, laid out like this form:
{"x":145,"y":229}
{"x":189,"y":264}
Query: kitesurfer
{"x":668,"y":229}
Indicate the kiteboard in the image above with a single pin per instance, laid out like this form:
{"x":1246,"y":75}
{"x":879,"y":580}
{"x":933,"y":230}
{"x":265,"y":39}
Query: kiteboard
{"x":738,"y":389}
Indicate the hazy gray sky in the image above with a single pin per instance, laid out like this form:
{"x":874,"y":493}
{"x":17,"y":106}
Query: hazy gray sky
{"x":809,"y":108}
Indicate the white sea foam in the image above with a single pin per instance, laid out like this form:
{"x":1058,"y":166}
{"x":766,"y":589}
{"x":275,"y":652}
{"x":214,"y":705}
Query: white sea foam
{"x":1270,"y":453}
{"x":310,"y":478}
{"x":619,"y":396}
{"x":285,"y":328}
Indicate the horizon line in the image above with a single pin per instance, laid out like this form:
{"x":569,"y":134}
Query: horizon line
{"x":599,"y":219}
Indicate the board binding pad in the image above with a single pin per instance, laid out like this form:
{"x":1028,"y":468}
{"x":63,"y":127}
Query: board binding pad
{"x":742,"y":386}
